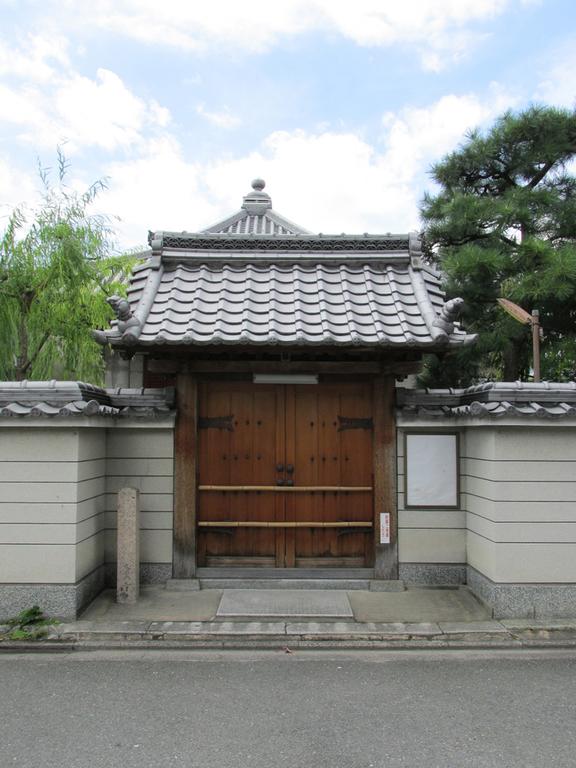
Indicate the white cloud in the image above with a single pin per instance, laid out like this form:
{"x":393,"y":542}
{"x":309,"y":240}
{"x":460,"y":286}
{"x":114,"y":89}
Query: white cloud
{"x":37,"y":58}
{"x":103,"y":112}
{"x":222,"y":119}
{"x":16,"y":189}
{"x":66,"y":106}
{"x":441,"y":30}
{"x":157,"y":190}
{"x":558,"y":86}
{"x":326,"y":180}
{"x":417,"y":136}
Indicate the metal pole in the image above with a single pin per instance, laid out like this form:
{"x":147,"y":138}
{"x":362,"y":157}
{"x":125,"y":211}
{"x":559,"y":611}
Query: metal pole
{"x":536,"y":343}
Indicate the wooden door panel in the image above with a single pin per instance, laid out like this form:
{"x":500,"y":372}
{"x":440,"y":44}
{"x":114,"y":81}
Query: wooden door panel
{"x":331,"y":456}
{"x":242,"y":454}
{"x":247,"y":431}
{"x":302,"y":452}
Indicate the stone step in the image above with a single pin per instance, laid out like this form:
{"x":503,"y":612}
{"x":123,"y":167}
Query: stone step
{"x":293,"y":604}
{"x":236,"y":583}
{"x":373,"y":585}
{"x":284,"y":573}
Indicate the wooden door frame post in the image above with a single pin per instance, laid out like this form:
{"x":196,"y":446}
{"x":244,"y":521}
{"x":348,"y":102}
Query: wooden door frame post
{"x":185,"y":477}
{"x":385,"y":476}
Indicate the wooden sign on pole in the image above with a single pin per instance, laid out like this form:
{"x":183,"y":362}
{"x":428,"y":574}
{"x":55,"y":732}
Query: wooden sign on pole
{"x":535,"y":320}
{"x":515,"y":311}
{"x":527,"y":319}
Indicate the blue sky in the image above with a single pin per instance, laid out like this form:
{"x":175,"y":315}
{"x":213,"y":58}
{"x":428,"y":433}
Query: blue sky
{"x":341,"y":106}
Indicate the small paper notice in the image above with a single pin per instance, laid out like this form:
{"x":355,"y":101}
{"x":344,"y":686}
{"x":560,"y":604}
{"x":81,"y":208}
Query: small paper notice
{"x":385,"y":528}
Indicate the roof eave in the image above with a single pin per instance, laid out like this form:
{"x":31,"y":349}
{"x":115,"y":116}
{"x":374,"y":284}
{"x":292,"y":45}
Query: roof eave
{"x":425,"y":346}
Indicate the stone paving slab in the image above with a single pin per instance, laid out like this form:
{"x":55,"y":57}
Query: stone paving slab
{"x":421,"y":628}
{"x":340,"y":628}
{"x":458,"y":627}
{"x":100,"y":627}
{"x":366,"y":629}
{"x":157,"y":604}
{"x":539,"y":623}
{"x":417,"y":605}
{"x":255,"y":628}
{"x":175,"y":627}
{"x":288,"y":602}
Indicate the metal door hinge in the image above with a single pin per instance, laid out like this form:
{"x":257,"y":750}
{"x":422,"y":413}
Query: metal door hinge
{"x":346,"y":422}
{"x":216,"y":422}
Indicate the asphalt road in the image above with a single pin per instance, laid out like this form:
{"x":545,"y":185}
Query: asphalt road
{"x":307,"y":709}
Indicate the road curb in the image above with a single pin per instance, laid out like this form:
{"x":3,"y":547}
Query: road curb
{"x":82,"y":640}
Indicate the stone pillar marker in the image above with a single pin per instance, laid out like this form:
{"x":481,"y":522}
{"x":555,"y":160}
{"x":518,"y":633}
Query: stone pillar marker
{"x":128,"y":546}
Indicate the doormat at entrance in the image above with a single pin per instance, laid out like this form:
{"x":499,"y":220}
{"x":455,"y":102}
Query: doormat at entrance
{"x":285,"y":602}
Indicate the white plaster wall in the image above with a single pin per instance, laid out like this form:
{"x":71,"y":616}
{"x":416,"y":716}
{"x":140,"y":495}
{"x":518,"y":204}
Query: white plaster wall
{"x":123,"y":373}
{"x":92,"y":495}
{"x":51,"y":503}
{"x":428,"y":535}
{"x":520,"y":498}
{"x":142,"y":458}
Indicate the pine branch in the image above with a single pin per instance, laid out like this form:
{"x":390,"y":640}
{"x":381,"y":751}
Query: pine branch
{"x":508,"y":241}
{"x":540,"y":175}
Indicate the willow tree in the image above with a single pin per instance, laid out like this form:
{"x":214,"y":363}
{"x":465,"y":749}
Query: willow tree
{"x":56,"y":270}
{"x":503,"y":224}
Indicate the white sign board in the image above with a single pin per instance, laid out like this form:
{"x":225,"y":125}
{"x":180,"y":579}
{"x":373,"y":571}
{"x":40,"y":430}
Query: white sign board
{"x":431,"y":466}
{"x":384,"y":528}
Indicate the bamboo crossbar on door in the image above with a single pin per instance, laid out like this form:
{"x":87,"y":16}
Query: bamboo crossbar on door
{"x":282,"y":524}
{"x":288,"y":488}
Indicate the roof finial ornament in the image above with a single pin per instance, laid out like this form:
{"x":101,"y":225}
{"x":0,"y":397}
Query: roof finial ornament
{"x":257,"y":202}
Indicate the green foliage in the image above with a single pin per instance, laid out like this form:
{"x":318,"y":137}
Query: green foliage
{"x":55,"y":274}
{"x":504,"y":225}
{"x":30,"y":624}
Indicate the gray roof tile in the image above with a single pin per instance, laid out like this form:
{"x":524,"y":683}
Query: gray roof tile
{"x":64,"y":399}
{"x":285,"y":304}
{"x":372,"y":304}
{"x":492,"y":400}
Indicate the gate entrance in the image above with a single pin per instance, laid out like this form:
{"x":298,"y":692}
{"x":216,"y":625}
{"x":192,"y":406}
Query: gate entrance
{"x":285,"y":475}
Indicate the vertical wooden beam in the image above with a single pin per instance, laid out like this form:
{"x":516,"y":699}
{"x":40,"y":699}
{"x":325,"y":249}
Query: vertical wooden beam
{"x":185,"y":481}
{"x":385,"y":497}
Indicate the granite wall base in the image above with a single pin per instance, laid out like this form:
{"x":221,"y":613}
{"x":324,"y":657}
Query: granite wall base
{"x":523,"y":601}
{"x":60,"y":601}
{"x":442,"y":574}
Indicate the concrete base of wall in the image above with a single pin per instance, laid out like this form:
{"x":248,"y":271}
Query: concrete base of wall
{"x":524,"y":601}
{"x":60,"y":601}
{"x":432,"y":573}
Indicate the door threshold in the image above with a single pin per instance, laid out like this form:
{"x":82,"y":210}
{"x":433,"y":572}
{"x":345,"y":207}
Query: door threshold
{"x":274,"y":574}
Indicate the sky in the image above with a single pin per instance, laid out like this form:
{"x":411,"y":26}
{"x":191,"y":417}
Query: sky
{"x":342,"y":106}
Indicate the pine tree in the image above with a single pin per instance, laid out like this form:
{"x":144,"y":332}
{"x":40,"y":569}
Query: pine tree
{"x":55,"y":274}
{"x":504,"y":225}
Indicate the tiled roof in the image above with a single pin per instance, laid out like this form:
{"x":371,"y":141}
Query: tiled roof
{"x":65,"y":399}
{"x":42,"y":408}
{"x":493,"y":400}
{"x":258,"y":279}
{"x":311,"y":304}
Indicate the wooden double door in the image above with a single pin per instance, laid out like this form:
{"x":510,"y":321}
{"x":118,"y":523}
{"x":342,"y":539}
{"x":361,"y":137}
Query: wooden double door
{"x":285,"y":475}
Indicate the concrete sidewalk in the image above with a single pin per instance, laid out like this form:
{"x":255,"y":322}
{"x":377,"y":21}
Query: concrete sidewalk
{"x":292,"y":619}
